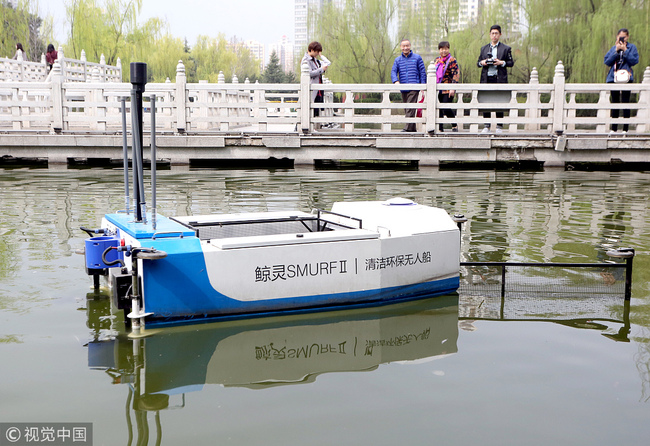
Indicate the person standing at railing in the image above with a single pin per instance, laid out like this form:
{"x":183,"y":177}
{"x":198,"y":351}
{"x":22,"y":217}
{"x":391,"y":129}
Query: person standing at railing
{"x":620,"y":59}
{"x":493,"y":60}
{"x":318,"y":64}
{"x":19,"y":50}
{"x":447,"y":72}
{"x":408,"y":68}
{"x":50,"y":56}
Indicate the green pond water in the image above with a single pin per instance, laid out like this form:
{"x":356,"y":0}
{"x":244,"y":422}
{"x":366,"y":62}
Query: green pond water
{"x":452,"y":370}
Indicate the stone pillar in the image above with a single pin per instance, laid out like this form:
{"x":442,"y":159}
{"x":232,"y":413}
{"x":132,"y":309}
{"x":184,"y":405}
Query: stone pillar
{"x":431,"y":100}
{"x":44,"y":63}
{"x":304,"y":98}
{"x":95,"y":75}
{"x":234,"y":98}
{"x":386,"y":112}
{"x":558,"y":99}
{"x":181,"y":98}
{"x":17,"y":123}
{"x":60,"y":57}
{"x":99,"y":99}
{"x":644,"y":104}
{"x":328,"y":98}
{"x":349,"y":111}
{"x":204,"y":100}
{"x":119,"y":70}
{"x":260,"y":110}
{"x":22,"y":67}
{"x":223,"y":101}
{"x":57,"y":97}
{"x":166,"y":109}
{"x":102,"y":68}
{"x":249,"y":98}
{"x":532,"y":112}
{"x":85,"y":65}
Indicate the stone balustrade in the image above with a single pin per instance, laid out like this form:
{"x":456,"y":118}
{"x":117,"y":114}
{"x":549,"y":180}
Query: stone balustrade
{"x":73,"y":70}
{"x":62,"y":104}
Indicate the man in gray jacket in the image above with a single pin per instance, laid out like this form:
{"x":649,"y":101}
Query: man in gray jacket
{"x":316,"y":69}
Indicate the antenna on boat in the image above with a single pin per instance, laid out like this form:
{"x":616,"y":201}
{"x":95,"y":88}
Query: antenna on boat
{"x":153,"y":160}
{"x":138,"y":81}
{"x":125,"y":150}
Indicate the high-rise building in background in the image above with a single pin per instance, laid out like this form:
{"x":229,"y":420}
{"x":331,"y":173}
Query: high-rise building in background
{"x":257,"y":51}
{"x":285,"y":52}
{"x":467,"y":13}
{"x":456,"y":15}
{"x":301,"y":20}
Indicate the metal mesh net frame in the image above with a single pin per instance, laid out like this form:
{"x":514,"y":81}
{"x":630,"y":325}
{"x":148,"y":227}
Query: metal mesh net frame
{"x":513,"y":279}
{"x":581,"y":295}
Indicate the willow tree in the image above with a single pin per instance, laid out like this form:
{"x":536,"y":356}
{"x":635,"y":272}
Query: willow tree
{"x":435,"y":20}
{"x":556,"y":30}
{"x":21,"y":22}
{"x":356,"y":37}
{"x":153,"y":44}
{"x":246,"y":65}
{"x":211,"y":55}
{"x":427,"y":22}
{"x":101,"y":27}
{"x":580,"y":33}
{"x":214,"y":54}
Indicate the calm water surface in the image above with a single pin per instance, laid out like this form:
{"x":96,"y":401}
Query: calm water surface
{"x":416,"y":373}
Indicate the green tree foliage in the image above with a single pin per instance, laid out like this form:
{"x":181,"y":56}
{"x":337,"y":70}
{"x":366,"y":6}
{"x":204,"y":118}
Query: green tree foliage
{"x":214,"y":54}
{"x":541,"y":33}
{"x":429,"y":24}
{"x":160,"y":50}
{"x":246,"y":65}
{"x":357,"y":39}
{"x":110,"y":27}
{"x":466,"y":44}
{"x":211,"y":56}
{"x":273,"y":73}
{"x":20,"y":22}
{"x":101,"y":27}
{"x":437,"y":20}
{"x":579,"y":34}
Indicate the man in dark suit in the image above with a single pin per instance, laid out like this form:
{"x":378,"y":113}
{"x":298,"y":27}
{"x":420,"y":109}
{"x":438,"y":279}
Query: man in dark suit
{"x":493,"y":60}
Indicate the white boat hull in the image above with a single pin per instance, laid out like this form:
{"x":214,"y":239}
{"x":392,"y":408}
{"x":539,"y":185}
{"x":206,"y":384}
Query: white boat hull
{"x":397,"y":252}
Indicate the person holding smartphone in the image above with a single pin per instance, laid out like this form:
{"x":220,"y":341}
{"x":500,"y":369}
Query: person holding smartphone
{"x":318,"y":64}
{"x":622,"y":56}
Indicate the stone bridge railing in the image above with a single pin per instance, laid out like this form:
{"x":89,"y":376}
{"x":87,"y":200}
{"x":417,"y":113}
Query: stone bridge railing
{"x":203,"y":108}
{"x":73,"y":70}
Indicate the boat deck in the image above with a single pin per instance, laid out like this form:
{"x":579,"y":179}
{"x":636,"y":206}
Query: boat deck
{"x":228,"y":226}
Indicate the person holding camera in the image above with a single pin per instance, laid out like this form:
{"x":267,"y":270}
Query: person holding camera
{"x":620,"y":59}
{"x":493,"y":60}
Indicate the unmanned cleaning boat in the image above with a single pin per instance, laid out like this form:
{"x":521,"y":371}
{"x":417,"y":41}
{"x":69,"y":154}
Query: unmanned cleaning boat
{"x":207,"y":266}
{"x":189,"y":268}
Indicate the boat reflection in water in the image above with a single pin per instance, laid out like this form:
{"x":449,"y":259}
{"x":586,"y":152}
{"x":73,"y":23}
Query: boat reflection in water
{"x":269,"y":351}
